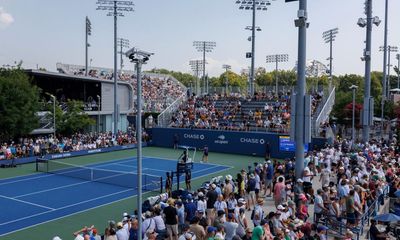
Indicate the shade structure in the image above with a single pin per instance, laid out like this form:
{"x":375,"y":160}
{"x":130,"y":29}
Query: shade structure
{"x":387,"y":217}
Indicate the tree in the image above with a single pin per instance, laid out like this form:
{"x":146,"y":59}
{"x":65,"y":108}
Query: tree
{"x":19,"y":103}
{"x":72,"y":119}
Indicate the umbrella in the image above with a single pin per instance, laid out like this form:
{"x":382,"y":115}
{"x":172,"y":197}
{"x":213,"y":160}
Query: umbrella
{"x":397,"y":193}
{"x":387,"y":217}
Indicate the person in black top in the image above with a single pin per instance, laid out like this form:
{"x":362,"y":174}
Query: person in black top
{"x":168,"y":184}
{"x":188,"y":178}
{"x":374,"y":233}
{"x":171,"y":219}
{"x":212,"y":196}
{"x":184,"y":156}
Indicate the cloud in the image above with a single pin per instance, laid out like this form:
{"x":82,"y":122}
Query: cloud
{"x":5,"y":18}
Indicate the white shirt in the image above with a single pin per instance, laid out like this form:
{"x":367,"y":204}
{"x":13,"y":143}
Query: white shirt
{"x":202,"y":205}
{"x":220,"y":205}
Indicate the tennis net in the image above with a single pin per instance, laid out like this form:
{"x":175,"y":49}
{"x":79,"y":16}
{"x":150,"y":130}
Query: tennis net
{"x":122,"y":179}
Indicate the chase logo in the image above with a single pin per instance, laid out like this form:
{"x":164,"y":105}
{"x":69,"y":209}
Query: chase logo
{"x":221,"y":137}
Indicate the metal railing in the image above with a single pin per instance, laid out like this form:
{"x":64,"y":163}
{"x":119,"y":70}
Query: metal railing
{"x":325,"y":111}
{"x":165,"y":116}
{"x":371,"y":211}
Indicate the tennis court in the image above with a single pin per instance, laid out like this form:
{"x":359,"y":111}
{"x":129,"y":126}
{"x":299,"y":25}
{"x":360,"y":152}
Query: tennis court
{"x":38,"y":198}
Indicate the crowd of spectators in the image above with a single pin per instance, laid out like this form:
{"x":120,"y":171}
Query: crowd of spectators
{"x":39,"y":146}
{"x":158,"y":91}
{"x":205,"y":113}
{"x":353,"y":180}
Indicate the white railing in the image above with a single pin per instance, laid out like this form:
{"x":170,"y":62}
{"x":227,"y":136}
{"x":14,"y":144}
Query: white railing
{"x":164,"y":118}
{"x":325,"y":111}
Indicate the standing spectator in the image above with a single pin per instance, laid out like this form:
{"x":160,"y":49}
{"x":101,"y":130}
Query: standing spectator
{"x":188,"y":179}
{"x":197,"y":229}
{"x":268,"y":178}
{"x":122,"y":234}
{"x":148,"y":222}
{"x":258,"y":212}
{"x":181,"y":214}
{"x":325,"y":175}
{"x":190,"y":209}
{"x":321,"y":233}
{"x":211,"y":199}
{"x":351,"y":209}
{"x":201,"y":203}
{"x":205,"y":154}
{"x":279,"y":191}
{"x":251,"y":185}
{"x":171,"y":220}
{"x":319,"y":207}
{"x":168,"y":184}
{"x":242,"y":223}
{"x":134,"y":230}
{"x":220,"y":204}
{"x":230,"y":227}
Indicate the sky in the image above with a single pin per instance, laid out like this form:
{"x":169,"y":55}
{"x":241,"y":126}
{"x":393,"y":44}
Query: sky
{"x":44,"y":32}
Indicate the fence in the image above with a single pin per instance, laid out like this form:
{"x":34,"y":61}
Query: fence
{"x":164,"y":118}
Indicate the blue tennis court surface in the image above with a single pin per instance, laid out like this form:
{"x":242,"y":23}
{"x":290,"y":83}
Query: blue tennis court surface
{"x":38,"y":198}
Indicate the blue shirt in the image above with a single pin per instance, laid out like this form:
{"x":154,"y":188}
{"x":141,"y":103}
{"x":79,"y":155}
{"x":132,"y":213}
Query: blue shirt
{"x":190,"y":210}
{"x":270,"y":171}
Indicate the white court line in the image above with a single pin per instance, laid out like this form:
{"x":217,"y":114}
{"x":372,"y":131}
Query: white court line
{"x":51,"y":189}
{"x":152,"y":169}
{"x":29,"y":203}
{"x":19,"y":219}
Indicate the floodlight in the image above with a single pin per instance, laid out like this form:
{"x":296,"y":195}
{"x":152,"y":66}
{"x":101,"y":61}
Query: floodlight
{"x":376,"y":21}
{"x":362,"y":22}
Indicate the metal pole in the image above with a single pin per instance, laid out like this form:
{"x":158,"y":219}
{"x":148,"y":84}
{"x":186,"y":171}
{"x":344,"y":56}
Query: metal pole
{"x":276,"y":75}
{"x":121,"y":60}
{"x":398,"y":71}
{"x":253,"y":42}
{"x":384,"y":80}
{"x":388,"y":75}
{"x":353,"y":132}
{"x":367,"y":82}
{"x":139,"y":145}
{"x":115,"y":72}
{"x":204,"y":67}
{"x":330,"y":62}
{"x":86,"y":46}
{"x":301,"y":87}
{"x":54,"y":116}
{"x":98,"y":117}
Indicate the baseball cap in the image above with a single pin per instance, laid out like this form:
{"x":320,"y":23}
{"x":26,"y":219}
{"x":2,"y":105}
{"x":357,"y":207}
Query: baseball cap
{"x":263,"y":222}
{"x":211,"y":229}
{"x":300,"y":180}
{"x":322,"y":228}
{"x":280,"y":207}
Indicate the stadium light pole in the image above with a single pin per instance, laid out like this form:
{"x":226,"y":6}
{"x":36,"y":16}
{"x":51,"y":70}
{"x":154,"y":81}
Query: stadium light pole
{"x":87,"y":45}
{"x":368,"y":101}
{"x":353,"y":130}
{"x":115,"y":8}
{"x":253,"y":6}
{"x":384,"y":78}
{"x":398,"y":70}
{"x":98,"y":113}
{"x":227,"y":68}
{"x":389,"y":50}
{"x":329,"y":36}
{"x":122,"y":43}
{"x":277,"y":58}
{"x":204,"y":46}
{"x":139,"y":57}
{"x":197,"y":66}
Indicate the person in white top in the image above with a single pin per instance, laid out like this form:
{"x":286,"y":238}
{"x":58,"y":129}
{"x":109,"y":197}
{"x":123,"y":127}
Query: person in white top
{"x":201,"y":202}
{"x":220,"y":204}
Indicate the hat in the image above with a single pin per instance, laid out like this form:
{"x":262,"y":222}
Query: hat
{"x":147,"y":214}
{"x":241,"y":201}
{"x":231,"y":216}
{"x":269,"y":161}
{"x":188,"y":235}
{"x":263,"y":222}
{"x":252,"y":176}
{"x":229,"y":177}
{"x":260,"y":201}
{"x":200,"y":194}
{"x":171,"y":201}
{"x":211,"y":229}
{"x":120,"y":225}
{"x":94,"y":231}
{"x":189,"y":196}
{"x":280,"y":207}
{"x":300,"y":180}
{"x":322,"y":228}
{"x":57,"y":238}
{"x":213,"y":186}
